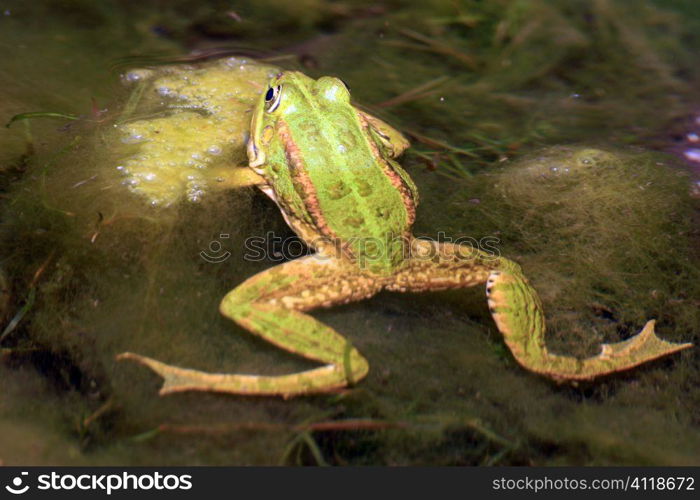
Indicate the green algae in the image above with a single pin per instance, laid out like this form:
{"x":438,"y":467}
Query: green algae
{"x":195,"y":125}
{"x":608,"y":243}
{"x":611,"y":230}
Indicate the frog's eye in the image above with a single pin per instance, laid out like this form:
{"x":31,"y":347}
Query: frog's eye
{"x":272,"y":98}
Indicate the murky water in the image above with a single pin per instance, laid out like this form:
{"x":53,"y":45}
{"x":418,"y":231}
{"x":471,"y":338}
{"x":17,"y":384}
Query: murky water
{"x":503,"y":103}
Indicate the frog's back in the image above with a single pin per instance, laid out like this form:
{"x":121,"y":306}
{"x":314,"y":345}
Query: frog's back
{"x":331,"y":173}
{"x":365,"y":199}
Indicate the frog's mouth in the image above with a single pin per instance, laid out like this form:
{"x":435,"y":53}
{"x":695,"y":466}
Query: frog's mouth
{"x":255,"y":157}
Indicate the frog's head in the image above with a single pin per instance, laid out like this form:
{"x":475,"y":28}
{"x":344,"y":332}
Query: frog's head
{"x":292,"y":98}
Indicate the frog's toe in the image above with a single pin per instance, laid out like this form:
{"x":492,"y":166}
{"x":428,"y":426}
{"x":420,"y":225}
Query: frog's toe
{"x":165,"y":371}
{"x":645,"y":346}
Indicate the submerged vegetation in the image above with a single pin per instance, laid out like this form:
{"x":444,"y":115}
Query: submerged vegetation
{"x":533,"y":121}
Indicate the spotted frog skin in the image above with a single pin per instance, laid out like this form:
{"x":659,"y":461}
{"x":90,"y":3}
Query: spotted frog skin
{"x":332,"y":171}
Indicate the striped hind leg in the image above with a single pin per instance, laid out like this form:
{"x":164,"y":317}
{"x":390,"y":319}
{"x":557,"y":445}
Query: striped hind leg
{"x":517,"y":311}
{"x":271,"y":305}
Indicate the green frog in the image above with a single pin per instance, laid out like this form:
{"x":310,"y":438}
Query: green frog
{"x":332,"y":171}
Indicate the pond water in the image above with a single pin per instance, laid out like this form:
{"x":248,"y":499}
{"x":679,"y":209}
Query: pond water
{"x":557,"y":131}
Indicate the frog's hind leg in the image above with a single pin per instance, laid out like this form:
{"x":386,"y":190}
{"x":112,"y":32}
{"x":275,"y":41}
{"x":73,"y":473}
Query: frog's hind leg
{"x":271,"y":304}
{"x":517,"y":312}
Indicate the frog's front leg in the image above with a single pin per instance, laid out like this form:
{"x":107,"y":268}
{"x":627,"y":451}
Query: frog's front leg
{"x":231,"y":177}
{"x":517,"y":311}
{"x":271,"y":304}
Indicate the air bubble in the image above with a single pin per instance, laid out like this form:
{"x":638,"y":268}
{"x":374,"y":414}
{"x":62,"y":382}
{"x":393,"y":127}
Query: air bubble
{"x":136,"y":75}
{"x":235,"y":61}
{"x":692,"y":154}
{"x":133,"y":139}
{"x":166,"y":92}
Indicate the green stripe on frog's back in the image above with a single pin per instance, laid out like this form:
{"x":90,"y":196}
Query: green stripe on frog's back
{"x":352,"y":192}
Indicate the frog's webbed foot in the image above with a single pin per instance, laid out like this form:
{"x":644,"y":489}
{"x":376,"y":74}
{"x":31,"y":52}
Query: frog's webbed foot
{"x":517,"y":312}
{"x":271,"y":304}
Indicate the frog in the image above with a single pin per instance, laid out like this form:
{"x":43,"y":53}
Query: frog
{"x":332,"y":170}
